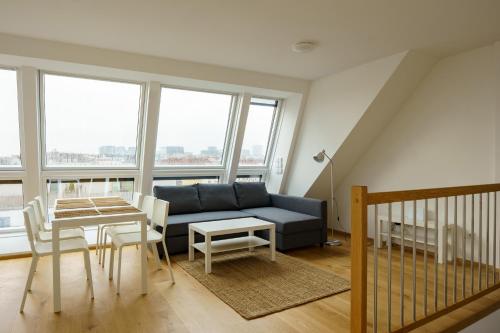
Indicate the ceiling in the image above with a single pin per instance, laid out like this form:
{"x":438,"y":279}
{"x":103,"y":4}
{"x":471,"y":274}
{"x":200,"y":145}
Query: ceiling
{"x":257,"y":34}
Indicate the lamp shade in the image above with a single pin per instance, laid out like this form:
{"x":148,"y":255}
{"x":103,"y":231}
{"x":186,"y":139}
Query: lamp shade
{"x":319,"y":157}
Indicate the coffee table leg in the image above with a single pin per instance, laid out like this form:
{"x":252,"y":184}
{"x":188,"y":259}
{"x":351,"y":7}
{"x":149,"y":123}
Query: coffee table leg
{"x":272,"y":239}
{"x":208,"y":254}
{"x":251,"y":248}
{"x":190,"y":244}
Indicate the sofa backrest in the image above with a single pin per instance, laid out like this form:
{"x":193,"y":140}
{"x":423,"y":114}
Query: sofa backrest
{"x":251,"y":195}
{"x":215,"y":197}
{"x":182,"y":199}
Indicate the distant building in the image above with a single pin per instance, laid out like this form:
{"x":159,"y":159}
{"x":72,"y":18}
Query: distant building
{"x":245,"y":153}
{"x":116,"y":151}
{"x":258,"y":150}
{"x":175,"y":150}
{"x":211,"y":151}
{"x":4,"y":221}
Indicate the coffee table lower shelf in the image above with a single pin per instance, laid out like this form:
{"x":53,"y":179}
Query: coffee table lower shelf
{"x":239,"y":243}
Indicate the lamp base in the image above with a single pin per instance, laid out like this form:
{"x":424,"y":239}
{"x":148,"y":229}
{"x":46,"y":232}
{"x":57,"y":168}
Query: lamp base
{"x":334,"y":242}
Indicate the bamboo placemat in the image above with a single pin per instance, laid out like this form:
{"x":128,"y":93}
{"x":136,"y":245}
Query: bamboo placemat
{"x":110,"y":202}
{"x":74,"y":204}
{"x":75,"y":213}
{"x":73,"y":200}
{"x":118,"y":210}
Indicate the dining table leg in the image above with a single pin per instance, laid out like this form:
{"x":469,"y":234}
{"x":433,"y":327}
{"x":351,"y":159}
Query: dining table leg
{"x":56,"y":268}
{"x":144,"y":248}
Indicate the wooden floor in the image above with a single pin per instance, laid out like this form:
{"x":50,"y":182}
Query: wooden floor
{"x":186,"y":306}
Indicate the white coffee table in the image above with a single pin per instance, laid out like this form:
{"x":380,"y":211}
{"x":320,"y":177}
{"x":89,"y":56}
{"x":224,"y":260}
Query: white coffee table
{"x":226,"y":227}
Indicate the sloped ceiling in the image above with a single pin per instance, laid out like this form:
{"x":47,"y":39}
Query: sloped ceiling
{"x":398,"y":88}
{"x":334,"y":107}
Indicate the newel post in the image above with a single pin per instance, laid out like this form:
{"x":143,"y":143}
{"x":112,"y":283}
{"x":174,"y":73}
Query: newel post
{"x":359,"y":230}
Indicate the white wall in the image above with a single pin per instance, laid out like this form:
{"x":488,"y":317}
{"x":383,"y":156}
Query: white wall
{"x":444,"y":134}
{"x":334,"y":106}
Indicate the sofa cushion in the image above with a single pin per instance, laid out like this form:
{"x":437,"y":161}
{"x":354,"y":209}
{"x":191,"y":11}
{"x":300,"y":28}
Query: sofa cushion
{"x":177,"y":225}
{"x":287,"y":222}
{"x":217,"y":197}
{"x":182,"y":199}
{"x":252,"y":195}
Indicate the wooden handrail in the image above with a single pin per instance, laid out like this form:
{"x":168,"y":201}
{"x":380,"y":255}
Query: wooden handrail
{"x":440,"y":192}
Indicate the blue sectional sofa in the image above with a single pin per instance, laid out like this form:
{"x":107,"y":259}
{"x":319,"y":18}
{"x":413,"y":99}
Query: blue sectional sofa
{"x":299,"y":221}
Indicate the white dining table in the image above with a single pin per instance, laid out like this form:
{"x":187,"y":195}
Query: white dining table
{"x":75,"y":222}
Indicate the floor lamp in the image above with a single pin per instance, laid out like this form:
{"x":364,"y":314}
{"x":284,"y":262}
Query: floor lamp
{"x":320,"y":157}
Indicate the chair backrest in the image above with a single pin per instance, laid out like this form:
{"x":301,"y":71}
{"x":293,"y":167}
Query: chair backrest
{"x":160,"y":214}
{"x":38,"y":216}
{"x":137,"y":200}
{"x":31,"y":227}
{"x":148,"y":204}
{"x":41,"y":207}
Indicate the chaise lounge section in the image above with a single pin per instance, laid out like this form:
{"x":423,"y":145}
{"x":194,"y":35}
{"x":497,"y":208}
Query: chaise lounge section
{"x":299,"y":221}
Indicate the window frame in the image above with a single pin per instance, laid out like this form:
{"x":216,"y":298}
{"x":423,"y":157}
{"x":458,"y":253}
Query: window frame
{"x":20,"y":123}
{"x":263,"y":170}
{"x":230,"y":126}
{"x":43,"y":125}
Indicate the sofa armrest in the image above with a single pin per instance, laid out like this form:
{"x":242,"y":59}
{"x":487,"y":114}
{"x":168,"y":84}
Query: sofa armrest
{"x":307,"y":206}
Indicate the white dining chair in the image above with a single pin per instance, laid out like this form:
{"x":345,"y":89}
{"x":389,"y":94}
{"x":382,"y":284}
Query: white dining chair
{"x":41,"y":249}
{"x":41,"y":215}
{"x":159,"y":218}
{"x":46,"y":236}
{"x":137,"y":202}
{"x":147,"y":207}
{"x":40,"y":209}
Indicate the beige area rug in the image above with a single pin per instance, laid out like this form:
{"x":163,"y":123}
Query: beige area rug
{"x":254,"y":286}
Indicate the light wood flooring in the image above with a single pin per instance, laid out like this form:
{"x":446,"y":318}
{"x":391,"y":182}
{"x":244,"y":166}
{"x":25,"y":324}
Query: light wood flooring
{"x":186,"y":306}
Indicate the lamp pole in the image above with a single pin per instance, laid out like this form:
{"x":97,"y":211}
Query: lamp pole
{"x":319,"y":158}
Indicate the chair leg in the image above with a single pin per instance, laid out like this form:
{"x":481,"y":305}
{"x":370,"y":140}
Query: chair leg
{"x":34,"y":262}
{"x":168,"y":261}
{"x":111,"y":260}
{"x":97,"y":240}
{"x":119,"y":270}
{"x":88,"y":269}
{"x":101,"y":246}
{"x":103,"y":250}
{"x":157,"y":257}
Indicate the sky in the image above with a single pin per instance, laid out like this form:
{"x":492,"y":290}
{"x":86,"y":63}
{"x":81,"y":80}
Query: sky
{"x":83,"y":114}
{"x":9,"y":117}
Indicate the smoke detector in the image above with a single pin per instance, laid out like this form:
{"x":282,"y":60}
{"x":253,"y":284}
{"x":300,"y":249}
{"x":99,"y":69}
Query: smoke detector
{"x":304,"y":46}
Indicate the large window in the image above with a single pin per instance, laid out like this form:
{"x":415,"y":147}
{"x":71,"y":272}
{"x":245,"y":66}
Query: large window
{"x":89,"y":122}
{"x":10,"y":152}
{"x":256,"y":141}
{"x":11,"y":204}
{"x":193,"y":127}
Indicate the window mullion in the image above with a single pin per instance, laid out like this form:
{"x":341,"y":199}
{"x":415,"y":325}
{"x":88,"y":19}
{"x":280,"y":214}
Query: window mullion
{"x":28,"y":101}
{"x":151,"y":120}
{"x":239,"y":134}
